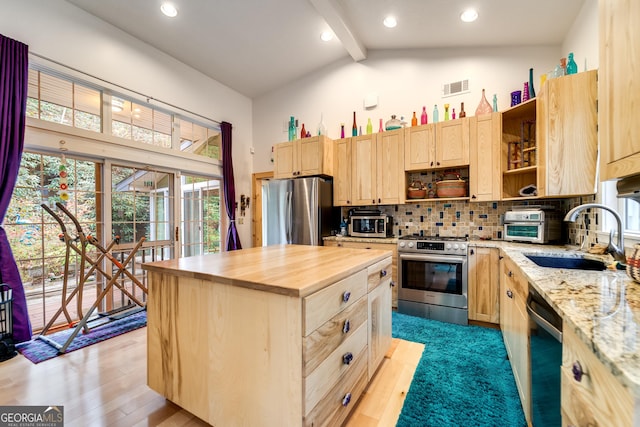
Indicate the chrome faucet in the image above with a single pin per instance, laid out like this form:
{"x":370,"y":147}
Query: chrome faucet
{"x":616,"y":250}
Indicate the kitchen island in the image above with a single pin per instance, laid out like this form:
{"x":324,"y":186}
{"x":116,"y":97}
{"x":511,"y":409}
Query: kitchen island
{"x":277,"y":335}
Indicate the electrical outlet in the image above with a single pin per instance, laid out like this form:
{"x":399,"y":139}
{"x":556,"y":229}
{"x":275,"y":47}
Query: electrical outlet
{"x":240,"y":220}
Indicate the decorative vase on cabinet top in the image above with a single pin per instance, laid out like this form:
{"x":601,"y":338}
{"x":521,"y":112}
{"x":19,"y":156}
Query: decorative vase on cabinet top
{"x":484,"y":107}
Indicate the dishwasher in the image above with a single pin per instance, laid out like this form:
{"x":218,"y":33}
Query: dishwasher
{"x":545,"y":341}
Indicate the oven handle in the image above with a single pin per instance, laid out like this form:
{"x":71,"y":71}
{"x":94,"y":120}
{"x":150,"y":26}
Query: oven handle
{"x":450,"y":259}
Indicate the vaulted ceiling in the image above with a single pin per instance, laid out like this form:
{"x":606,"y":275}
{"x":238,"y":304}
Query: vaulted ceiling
{"x":255,"y":46}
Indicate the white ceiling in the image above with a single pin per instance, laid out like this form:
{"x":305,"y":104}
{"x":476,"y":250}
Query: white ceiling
{"x":255,"y":46}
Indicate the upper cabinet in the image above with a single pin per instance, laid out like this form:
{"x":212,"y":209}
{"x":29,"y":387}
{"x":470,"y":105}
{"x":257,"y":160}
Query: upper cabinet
{"x":437,"y":145}
{"x":550,"y":143}
{"x":484,"y":157}
{"x":568,"y":135}
{"x":619,"y":88}
{"x":304,"y":157}
{"x":375,"y":175}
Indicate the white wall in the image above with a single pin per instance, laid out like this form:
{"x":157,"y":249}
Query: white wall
{"x":582,"y":39}
{"x":59,"y":31}
{"x":405,"y":80}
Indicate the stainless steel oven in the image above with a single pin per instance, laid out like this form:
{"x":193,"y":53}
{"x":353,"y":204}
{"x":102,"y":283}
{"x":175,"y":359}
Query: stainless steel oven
{"x":432,"y":273}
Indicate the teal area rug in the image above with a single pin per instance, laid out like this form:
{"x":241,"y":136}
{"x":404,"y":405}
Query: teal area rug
{"x":38,"y":351}
{"x":462,"y":379}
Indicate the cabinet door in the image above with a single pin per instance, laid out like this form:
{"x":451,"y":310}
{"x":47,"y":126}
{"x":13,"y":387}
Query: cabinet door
{"x":619,"y":94}
{"x":484,"y":284}
{"x":452,"y":143}
{"x":342,"y":172}
{"x":484,"y":159}
{"x":310,"y":155}
{"x":389,"y":168}
{"x":284,"y":157}
{"x":420,"y":146}
{"x":363,"y":178}
{"x":569,"y":138}
{"x":379,"y":323}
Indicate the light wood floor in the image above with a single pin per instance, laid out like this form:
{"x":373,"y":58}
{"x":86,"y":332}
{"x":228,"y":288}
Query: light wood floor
{"x":105,"y":385}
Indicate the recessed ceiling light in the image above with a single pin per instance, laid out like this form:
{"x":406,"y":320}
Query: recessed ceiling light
{"x":117,"y":104}
{"x":326,"y":36}
{"x":390,"y":22}
{"x":469,"y":15}
{"x":169,"y":10}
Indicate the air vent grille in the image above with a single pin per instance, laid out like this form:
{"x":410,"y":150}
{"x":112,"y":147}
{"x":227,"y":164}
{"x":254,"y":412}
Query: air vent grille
{"x":455,"y":88}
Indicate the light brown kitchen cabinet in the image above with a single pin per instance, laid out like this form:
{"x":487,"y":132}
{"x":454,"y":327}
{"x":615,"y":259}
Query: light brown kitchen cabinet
{"x":484,"y":284}
{"x":619,"y":94}
{"x":342,"y":167}
{"x":484,"y":157}
{"x":303,"y":157}
{"x":567,"y":133}
{"x":437,"y":145}
{"x":377,"y":176}
{"x":514,"y":323}
{"x":379,"y":284}
{"x":551,"y":142}
{"x":590,"y":394}
{"x":380,"y":246}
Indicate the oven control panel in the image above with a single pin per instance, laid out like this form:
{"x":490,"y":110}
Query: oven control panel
{"x":422,"y":246}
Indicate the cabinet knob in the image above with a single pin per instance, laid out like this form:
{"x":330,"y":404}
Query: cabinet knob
{"x":373,"y":202}
{"x":509,"y":293}
{"x":347,"y":358}
{"x":510,"y":274}
{"x":431,"y":163}
{"x":345,"y":296}
{"x":346,"y":327}
{"x":438,"y":163}
{"x":473,"y":197}
{"x":500,"y":257}
{"x":471,"y":252}
{"x":392,"y":284}
{"x":383,"y":273}
{"x":340,"y":244}
{"x":379,"y":200}
{"x":577,"y":371}
{"x":346,"y":399}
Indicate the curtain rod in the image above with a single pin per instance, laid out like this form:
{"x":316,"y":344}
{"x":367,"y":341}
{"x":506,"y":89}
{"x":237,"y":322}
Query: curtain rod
{"x":122,"y":87}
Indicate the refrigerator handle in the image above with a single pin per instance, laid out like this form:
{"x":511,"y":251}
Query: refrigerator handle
{"x":288,"y":216}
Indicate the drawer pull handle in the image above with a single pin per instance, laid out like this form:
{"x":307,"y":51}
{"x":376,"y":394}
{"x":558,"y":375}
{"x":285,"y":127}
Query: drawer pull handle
{"x":346,"y":296}
{"x":346,"y":327}
{"x":347,"y":358}
{"x":577,"y":371}
{"x":392,"y":283}
{"x":346,"y":399}
{"x":510,"y":274}
{"x":509,"y":293}
{"x":383,"y":273}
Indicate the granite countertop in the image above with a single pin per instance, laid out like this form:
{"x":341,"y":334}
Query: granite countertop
{"x":602,"y":307}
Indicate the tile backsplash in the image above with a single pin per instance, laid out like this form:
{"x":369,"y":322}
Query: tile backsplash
{"x":482,"y":219}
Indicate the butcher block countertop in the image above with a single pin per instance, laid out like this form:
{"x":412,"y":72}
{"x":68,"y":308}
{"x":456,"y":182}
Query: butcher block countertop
{"x":293,"y":270}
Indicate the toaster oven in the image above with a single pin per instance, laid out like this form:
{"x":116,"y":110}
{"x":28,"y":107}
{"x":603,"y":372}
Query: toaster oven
{"x":532,"y":226}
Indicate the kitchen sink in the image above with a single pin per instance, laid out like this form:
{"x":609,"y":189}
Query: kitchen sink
{"x":575,"y":263}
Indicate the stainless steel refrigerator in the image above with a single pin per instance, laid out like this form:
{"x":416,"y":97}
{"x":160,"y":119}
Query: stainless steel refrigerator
{"x":297,"y":211}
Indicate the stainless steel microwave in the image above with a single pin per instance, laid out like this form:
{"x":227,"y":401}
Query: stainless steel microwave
{"x":370,"y":226}
{"x":532,"y":226}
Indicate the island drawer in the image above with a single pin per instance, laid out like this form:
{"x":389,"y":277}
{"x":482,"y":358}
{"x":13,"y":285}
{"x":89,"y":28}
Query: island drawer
{"x":378,"y":273}
{"x":334,"y":366}
{"x":334,"y":407}
{"x":328,"y":337}
{"x":326,"y":303}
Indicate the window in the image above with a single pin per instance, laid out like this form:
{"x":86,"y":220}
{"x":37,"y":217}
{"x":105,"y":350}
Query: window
{"x":199,"y":139}
{"x":200,"y":204}
{"x":61,"y":101}
{"x":34,"y":235}
{"x":140,"y":123}
{"x":628,"y":209}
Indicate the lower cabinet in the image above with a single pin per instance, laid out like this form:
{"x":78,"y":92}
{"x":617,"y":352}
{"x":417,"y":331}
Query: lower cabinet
{"x":591,"y":395}
{"x":379,"y":314}
{"x":514,"y":322}
{"x":484,"y":284}
{"x":381,"y":246}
